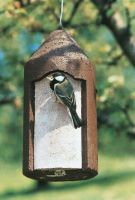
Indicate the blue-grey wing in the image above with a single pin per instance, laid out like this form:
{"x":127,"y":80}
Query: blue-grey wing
{"x":65,"y":92}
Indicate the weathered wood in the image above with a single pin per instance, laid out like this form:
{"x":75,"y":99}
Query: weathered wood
{"x":61,"y":53}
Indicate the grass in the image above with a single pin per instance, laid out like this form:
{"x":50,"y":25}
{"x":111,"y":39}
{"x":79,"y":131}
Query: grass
{"x":116,"y":181}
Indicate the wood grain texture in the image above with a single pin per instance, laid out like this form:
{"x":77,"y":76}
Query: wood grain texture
{"x":61,"y":53}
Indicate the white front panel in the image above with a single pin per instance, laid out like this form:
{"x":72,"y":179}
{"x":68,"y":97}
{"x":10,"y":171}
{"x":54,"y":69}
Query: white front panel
{"x":57,"y":144}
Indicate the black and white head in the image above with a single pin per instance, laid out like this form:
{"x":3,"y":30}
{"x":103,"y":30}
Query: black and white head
{"x":56,"y":77}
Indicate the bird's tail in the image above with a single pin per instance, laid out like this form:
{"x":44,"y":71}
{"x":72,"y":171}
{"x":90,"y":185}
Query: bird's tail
{"x":76,"y":119}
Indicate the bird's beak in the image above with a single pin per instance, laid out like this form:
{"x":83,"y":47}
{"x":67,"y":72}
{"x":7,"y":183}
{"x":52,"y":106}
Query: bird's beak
{"x":50,"y":77}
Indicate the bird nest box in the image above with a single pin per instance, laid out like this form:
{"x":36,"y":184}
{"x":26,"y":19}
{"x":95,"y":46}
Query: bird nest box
{"x":53,"y":149}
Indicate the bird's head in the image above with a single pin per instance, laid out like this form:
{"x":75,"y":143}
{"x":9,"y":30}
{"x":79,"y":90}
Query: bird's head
{"x":58,"y":76}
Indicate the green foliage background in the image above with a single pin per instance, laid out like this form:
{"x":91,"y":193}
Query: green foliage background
{"x":22,"y":30}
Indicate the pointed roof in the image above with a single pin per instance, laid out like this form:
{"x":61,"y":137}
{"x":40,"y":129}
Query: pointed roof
{"x":58,"y":48}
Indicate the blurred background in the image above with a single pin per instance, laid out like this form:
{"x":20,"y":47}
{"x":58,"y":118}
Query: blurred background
{"x":105,"y":31}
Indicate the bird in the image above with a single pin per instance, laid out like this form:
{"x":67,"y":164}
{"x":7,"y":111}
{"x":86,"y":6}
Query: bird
{"x":64,"y":92}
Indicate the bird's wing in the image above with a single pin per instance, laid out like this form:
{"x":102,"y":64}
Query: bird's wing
{"x":65,"y":92}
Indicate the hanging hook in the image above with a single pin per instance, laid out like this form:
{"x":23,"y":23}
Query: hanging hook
{"x":61,"y":14}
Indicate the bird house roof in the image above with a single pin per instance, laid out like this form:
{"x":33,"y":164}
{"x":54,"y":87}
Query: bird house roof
{"x":59,"y":48}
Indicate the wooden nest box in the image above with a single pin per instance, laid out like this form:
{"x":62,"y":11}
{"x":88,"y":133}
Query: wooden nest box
{"x":53,"y":149}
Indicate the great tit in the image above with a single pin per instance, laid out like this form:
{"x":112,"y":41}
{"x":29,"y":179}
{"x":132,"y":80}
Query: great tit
{"x":64,"y":92}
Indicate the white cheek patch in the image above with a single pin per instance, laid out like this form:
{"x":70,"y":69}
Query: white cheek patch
{"x":59,"y":78}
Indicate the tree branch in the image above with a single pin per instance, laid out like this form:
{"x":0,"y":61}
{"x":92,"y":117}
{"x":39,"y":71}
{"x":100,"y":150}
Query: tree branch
{"x":75,"y":8}
{"x":52,"y":11}
{"x":114,"y":61}
{"x":4,"y":30}
{"x":6,"y":101}
{"x":119,"y":28}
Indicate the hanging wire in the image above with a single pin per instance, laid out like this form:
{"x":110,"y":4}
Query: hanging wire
{"x":61,"y":13}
